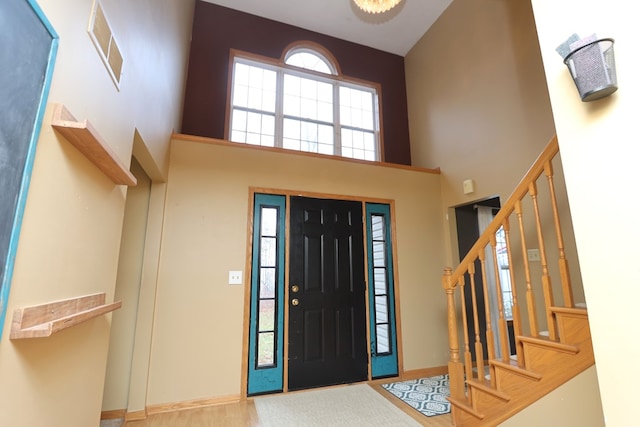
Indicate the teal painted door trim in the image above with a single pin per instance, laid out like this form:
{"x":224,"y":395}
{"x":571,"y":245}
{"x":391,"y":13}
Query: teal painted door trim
{"x":267,"y":379}
{"x":386,"y":364}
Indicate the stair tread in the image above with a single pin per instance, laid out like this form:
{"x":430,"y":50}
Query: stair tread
{"x":549,"y":343}
{"x":486,"y":387}
{"x":463,"y":405}
{"x":512,"y":366}
{"x":577,"y":311}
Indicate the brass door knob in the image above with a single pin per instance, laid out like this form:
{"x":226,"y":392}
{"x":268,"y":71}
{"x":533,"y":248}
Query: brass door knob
{"x":295,"y":288}
{"x":295,"y":302}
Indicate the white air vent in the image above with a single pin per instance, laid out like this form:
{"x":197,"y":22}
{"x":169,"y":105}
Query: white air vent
{"x":104,"y":41}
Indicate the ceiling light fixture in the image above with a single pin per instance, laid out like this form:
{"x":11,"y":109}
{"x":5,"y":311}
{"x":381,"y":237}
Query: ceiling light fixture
{"x":376,"y":6}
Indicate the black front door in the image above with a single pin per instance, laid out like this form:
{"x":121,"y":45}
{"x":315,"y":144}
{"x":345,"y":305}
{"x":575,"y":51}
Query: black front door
{"x":327,"y":320}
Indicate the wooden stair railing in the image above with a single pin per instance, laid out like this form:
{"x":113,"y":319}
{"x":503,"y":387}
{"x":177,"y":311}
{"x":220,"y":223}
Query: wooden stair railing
{"x":485,"y":374}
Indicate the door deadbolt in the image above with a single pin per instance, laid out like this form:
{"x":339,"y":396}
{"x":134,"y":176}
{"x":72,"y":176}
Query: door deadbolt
{"x":295,"y":288}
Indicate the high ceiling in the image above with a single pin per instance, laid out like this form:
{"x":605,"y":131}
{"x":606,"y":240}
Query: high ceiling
{"x":396,"y":31}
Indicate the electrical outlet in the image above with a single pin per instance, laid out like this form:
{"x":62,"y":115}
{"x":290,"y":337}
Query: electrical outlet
{"x":533,"y":254}
{"x":235,"y":277}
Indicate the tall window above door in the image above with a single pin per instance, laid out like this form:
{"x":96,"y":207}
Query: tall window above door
{"x":303,"y":103}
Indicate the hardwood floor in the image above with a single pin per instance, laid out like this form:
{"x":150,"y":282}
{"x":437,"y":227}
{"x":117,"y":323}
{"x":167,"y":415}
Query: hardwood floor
{"x":239,"y":414}
{"x":243,"y":414}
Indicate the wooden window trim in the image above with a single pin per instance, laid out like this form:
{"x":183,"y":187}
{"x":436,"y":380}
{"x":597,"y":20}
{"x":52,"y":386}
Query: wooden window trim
{"x":279,"y":62}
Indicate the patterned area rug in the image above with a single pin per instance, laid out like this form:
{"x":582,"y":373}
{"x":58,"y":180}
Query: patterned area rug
{"x":427,"y":395}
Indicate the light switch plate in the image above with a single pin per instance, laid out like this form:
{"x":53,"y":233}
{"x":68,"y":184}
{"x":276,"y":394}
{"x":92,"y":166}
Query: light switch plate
{"x":468,"y":186}
{"x":235,"y":277}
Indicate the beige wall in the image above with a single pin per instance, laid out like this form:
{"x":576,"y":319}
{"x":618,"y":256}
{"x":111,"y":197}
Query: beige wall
{"x":127,"y":290}
{"x":475,"y":93}
{"x":154,"y":39}
{"x":138,"y":385}
{"x":598,"y":142}
{"x":479,"y":109}
{"x":197,"y":342}
{"x":477,"y":100}
{"x":70,"y":235}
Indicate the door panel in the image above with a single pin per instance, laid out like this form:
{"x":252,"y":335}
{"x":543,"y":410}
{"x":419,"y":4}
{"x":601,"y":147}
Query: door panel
{"x":327,"y":317}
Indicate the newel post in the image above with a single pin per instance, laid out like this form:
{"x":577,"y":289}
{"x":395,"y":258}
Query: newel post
{"x":456,"y":371}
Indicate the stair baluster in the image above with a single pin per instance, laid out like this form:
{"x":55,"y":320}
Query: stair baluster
{"x":546,"y":279}
{"x":456,"y":376}
{"x":531,"y":299}
{"x":567,"y":291}
{"x":491,"y":354}
{"x":476,"y":322}
{"x":515,"y":307}
{"x":468,"y":363}
{"x":502,"y":322}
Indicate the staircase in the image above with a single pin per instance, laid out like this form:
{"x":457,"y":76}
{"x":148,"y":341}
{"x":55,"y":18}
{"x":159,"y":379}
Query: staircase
{"x":505,"y":355}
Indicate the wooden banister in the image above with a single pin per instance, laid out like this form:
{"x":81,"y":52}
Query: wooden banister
{"x":507,"y":209}
{"x":532,"y":226}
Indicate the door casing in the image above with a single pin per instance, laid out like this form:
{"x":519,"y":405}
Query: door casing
{"x":286,"y":296}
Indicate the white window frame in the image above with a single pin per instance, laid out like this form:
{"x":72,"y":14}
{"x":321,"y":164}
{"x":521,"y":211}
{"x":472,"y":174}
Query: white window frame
{"x":336,"y":79}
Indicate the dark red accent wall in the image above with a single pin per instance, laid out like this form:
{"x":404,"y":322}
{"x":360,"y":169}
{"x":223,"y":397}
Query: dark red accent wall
{"x":217,"y":29}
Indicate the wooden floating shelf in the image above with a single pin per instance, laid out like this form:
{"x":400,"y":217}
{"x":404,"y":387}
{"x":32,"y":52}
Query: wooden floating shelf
{"x":44,"y":320}
{"x":86,"y":139}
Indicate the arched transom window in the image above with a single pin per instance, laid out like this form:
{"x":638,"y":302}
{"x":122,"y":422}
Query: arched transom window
{"x":303,"y":103}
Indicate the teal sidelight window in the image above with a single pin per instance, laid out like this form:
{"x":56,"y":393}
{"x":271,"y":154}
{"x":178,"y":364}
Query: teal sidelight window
{"x":266,"y":346}
{"x":384,"y":348}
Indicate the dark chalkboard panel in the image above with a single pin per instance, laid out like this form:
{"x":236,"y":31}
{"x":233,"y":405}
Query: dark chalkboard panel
{"x":28,"y":46}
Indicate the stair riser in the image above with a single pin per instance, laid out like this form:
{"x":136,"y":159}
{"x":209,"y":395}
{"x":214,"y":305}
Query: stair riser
{"x":482,"y":401}
{"x":543,"y":360}
{"x":573,"y":329}
{"x":462,"y":418}
{"x":510,"y":383}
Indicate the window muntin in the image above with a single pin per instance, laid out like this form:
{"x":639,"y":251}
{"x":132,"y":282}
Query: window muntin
{"x":254,"y":88}
{"x":380,"y":286}
{"x":279,"y":106}
{"x":310,"y":60}
{"x":254,"y":105}
{"x":307,"y":98}
{"x":267,"y":265}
